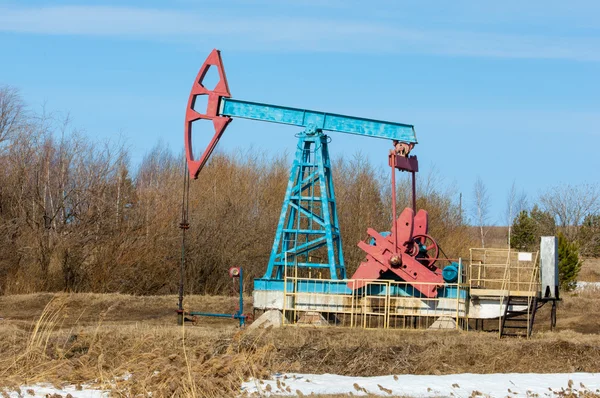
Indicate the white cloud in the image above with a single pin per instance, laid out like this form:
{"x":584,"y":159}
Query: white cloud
{"x":229,"y":30}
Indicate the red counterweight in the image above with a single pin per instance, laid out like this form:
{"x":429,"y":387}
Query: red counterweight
{"x":408,"y":252}
{"x":411,"y":261}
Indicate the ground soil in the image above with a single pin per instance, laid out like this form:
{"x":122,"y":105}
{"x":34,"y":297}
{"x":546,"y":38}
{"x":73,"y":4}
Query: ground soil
{"x":132,"y":345}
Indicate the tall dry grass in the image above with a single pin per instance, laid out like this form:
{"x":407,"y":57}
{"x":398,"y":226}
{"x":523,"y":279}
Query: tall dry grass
{"x":102,"y":340}
{"x":590,"y":270}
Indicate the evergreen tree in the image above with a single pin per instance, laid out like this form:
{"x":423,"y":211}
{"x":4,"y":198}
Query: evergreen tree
{"x":524,"y":232}
{"x":568,"y":263}
{"x":544,"y":222}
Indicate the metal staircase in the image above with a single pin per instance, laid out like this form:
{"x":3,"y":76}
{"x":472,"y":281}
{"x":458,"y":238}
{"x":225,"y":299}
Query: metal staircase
{"x":512,"y":280}
{"x":519,"y":322}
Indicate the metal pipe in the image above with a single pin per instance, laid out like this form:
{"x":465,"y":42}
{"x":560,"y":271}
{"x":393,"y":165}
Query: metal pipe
{"x":240,"y":312}
{"x":184,"y":225}
{"x":234,"y":316}
{"x":241,"y":302}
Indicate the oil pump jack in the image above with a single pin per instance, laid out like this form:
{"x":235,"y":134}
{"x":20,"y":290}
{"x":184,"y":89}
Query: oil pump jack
{"x":308,"y":220}
{"x":403,"y":260}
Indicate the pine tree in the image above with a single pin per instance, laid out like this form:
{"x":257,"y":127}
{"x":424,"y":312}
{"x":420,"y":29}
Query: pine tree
{"x":523,"y":235}
{"x":568,"y":263}
{"x":544,"y":222}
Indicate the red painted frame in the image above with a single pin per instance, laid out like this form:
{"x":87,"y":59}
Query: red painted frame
{"x":398,"y":252}
{"x":219,"y":122}
{"x":380,"y":256}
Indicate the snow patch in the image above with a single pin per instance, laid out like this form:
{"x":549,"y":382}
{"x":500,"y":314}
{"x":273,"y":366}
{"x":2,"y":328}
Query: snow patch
{"x":457,"y":385}
{"x":588,"y":286}
{"x":44,"y":390}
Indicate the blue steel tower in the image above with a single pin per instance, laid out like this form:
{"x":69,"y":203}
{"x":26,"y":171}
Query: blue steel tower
{"x":308,"y":220}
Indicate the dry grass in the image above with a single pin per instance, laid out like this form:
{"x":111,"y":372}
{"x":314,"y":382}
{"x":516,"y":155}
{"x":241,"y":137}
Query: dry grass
{"x":590,"y":270}
{"x":90,"y":338}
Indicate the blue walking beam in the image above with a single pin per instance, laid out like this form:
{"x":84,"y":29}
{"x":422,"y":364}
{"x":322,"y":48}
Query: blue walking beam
{"x":316,"y":120}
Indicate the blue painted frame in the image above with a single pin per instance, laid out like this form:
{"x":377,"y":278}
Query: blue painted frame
{"x":308,"y":220}
{"x":340,"y":287}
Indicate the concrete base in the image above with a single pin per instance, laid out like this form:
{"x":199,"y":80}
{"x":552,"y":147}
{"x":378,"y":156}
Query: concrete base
{"x":473,"y":308}
{"x":443,"y":322}
{"x":268,"y":299}
{"x":332,"y":303}
{"x":269,"y":319}
{"x":312,"y":318}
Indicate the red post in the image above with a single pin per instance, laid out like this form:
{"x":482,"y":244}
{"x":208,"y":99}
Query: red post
{"x":394,"y":221}
{"x":414,"y":192}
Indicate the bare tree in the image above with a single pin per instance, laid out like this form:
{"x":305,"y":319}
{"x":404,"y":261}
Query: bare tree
{"x":481,"y":207}
{"x":75,"y":216}
{"x":11,"y":112}
{"x":358,"y":187}
{"x":570,"y":204}
{"x":516,"y":202}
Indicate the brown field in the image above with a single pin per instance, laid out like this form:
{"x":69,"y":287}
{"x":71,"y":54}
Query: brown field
{"x":590,"y":270}
{"x":99,"y":338}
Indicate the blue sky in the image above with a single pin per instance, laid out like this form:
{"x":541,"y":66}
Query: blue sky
{"x":508,"y":91}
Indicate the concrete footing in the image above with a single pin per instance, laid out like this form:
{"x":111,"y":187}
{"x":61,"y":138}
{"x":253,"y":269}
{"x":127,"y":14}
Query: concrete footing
{"x":269,"y":319}
{"x":443,"y":322}
{"x":312,"y":318}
